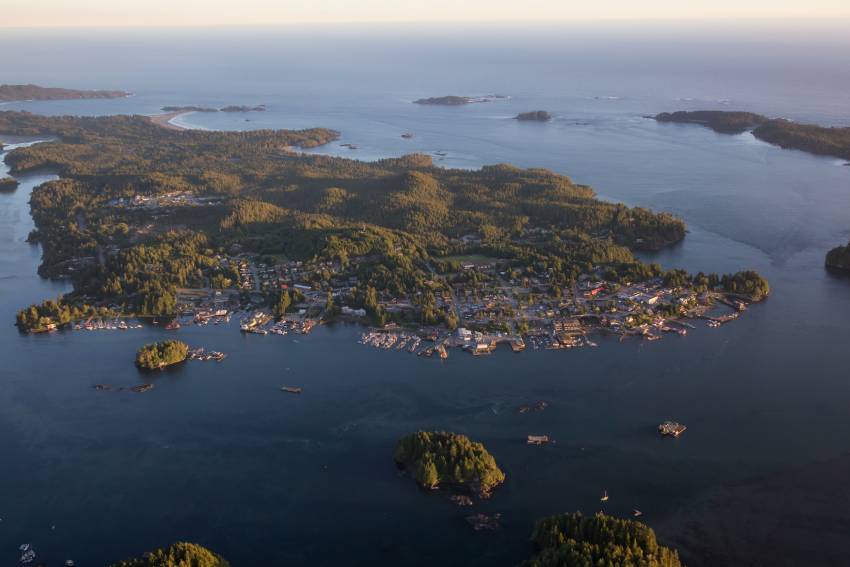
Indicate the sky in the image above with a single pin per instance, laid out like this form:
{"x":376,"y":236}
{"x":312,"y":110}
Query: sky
{"x":87,"y":13}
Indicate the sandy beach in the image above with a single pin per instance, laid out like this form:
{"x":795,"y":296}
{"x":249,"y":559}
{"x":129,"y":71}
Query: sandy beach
{"x":164,"y":120}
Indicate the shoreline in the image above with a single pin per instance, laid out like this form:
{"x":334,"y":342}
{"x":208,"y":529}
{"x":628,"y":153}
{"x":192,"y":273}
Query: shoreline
{"x":165,"y":120}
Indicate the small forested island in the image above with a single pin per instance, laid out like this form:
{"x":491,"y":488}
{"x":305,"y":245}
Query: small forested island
{"x":9,"y":93}
{"x":447,"y":460}
{"x":8,"y":184}
{"x":575,"y":540}
{"x":534,"y":116}
{"x":243,"y":108}
{"x":230,"y":108}
{"x":156,"y":356}
{"x":811,"y":138}
{"x":189,"y":108}
{"x":453,"y":100}
{"x":180,"y":554}
{"x":838,"y":259}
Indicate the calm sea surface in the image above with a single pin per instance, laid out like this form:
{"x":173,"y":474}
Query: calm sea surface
{"x":216,"y":454}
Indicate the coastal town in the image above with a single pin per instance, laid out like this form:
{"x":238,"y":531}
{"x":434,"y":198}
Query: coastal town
{"x":487,"y":303}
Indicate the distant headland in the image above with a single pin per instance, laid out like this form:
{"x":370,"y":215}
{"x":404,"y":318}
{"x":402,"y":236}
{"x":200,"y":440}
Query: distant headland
{"x":453,"y":100}
{"x":9,"y":93}
{"x":811,"y":138}
{"x":534,"y":116}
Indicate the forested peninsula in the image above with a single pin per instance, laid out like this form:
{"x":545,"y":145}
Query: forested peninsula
{"x":9,"y":93}
{"x":811,"y":138}
{"x":140,"y":210}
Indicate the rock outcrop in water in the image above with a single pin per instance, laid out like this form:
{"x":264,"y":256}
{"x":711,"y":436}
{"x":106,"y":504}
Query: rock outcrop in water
{"x":8,"y":184}
{"x":534,"y":116}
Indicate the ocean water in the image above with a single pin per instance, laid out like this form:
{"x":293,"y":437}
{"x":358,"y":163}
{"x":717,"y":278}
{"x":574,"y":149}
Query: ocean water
{"x":215,"y":454}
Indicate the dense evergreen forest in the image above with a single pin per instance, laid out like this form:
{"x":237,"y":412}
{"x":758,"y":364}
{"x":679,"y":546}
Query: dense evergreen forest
{"x":439,"y":459}
{"x":159,"y":355}
{"x":574,"y":540}
{"x":177,"y":555}
{"x":112,"y":225}
{"x":838,"y":259}
{"x":811,"y":138}
{"x":34,"y":92}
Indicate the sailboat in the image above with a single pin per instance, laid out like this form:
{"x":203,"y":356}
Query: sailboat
{"x":604,"y":496}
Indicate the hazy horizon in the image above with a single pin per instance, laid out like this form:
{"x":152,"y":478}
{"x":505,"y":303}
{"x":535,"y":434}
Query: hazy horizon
{"x":96,"y":13}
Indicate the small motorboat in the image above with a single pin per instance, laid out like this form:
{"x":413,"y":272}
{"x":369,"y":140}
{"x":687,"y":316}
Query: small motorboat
{"x":638,"y":513}
{"x":604,"y":496}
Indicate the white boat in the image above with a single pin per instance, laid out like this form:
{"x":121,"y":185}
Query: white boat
{"x":604,"y":496}
{"x":24,"y":547}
